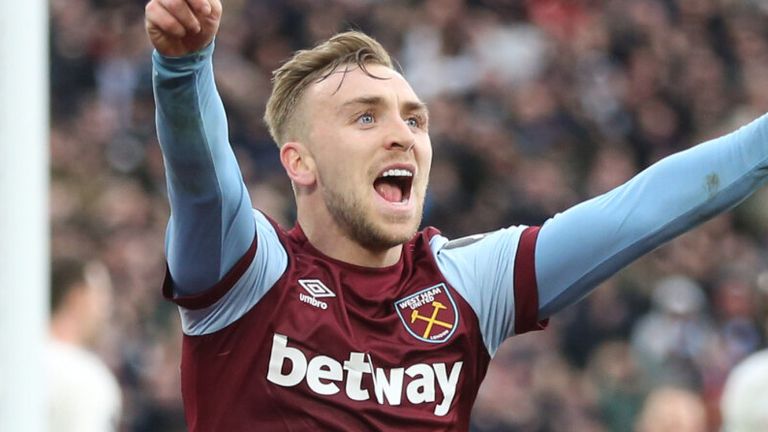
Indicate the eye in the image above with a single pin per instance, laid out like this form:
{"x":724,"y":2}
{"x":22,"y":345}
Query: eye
{"x":415,"y":122}
{"x":366,"y":119}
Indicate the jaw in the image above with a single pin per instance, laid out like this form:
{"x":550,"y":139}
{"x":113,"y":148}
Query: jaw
{"x":358,"y":227}
{"x":384,"y":213}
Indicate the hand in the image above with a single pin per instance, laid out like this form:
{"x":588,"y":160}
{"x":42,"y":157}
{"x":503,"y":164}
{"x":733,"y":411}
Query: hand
{"x":180,"y":27}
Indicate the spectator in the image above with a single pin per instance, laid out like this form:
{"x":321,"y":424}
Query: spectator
{"x":670,"y":339}
{"x":84,"y":394}
{"x":745,"y":397}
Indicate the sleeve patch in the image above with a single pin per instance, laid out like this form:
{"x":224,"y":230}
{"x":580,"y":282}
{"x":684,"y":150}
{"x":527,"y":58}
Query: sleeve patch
{"x":464,"y":241}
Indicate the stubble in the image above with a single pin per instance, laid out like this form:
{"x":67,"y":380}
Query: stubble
{"x":351,"y":217}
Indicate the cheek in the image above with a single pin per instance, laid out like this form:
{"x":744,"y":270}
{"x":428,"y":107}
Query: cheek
{"x":424,"y":149}
{"x":346,"y":164}
{"x":339,"y":173}
{"x":425,"y":160}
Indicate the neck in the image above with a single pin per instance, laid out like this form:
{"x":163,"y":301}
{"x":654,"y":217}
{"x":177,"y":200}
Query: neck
{"x":328,"y":238}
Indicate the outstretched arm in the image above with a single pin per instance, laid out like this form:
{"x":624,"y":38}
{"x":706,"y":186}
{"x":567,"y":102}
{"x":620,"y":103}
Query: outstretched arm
{"x":211,"y":224}
{"x":586,"y":244}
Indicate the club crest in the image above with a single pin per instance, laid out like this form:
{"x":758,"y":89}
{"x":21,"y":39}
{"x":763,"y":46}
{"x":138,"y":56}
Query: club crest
{"x":429,"y":315}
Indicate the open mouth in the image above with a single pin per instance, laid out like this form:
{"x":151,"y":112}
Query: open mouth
{"x":394,"y":185}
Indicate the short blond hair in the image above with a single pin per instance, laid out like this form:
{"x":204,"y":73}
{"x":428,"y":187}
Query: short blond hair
{"x":291,"y":79}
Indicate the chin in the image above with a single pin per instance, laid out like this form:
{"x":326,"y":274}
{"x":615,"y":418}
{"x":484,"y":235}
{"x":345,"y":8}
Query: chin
{"x":401,"y":236}
{"x":383,"y":237}
{"x":383,"y":242}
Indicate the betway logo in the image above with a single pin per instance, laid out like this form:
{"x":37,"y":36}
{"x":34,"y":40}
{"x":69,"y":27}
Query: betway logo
{"x":322,"y":374}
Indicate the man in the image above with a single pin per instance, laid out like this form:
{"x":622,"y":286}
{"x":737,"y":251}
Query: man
{"x":353,"y":320}
{"x":745,"y":395}
{"x":84,"y":394}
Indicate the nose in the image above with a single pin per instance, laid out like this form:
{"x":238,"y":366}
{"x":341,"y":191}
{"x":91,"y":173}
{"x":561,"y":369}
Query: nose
{"x":401,"y":137}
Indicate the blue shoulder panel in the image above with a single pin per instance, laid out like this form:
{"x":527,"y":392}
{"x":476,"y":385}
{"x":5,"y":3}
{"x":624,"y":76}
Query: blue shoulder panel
{"x":481,"y":269}
{"x":270,"y":262}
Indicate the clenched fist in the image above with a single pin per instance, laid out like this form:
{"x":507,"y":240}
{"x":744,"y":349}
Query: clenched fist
{"x":179,"y":27}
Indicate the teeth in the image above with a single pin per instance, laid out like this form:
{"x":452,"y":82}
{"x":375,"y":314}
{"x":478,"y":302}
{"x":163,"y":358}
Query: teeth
{"x":397,"y":173}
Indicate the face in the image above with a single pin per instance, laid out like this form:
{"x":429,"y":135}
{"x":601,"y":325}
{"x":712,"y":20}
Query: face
{"x":368,"y":140}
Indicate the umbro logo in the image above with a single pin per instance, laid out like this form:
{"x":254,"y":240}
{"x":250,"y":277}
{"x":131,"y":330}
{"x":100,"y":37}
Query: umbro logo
{"x":316,"y":290}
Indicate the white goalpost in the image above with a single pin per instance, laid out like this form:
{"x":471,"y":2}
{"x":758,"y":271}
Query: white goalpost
{"x":24,"y":232}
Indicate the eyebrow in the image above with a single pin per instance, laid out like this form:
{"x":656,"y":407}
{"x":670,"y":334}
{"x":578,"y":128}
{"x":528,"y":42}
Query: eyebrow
{"x":408,"y":106}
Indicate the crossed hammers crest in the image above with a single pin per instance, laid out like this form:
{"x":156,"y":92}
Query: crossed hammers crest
{"x":431,"y":321}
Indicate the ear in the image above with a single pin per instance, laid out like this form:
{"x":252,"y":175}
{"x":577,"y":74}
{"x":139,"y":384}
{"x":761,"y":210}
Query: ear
{"x":298,"y":163}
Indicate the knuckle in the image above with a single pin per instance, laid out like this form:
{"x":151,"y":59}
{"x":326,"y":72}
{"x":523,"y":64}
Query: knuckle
{"x":171,"y":5}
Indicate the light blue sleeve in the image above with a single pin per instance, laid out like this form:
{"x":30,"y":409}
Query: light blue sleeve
{"x":581,"y":247}
{"x":211,"y":223}
{"x":267,"y":267}
{"x":481,"y":269}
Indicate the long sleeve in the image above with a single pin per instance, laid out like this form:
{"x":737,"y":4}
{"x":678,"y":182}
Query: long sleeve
{"x":586,"y":244}
{"x":211,"y":224}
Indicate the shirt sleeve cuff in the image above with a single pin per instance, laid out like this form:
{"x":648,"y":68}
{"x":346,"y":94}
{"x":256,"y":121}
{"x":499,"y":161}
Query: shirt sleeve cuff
{"x":526,"y":287}
{"x":188,"y":62}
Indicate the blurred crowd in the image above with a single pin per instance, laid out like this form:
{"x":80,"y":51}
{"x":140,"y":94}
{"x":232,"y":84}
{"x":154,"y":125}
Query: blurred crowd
{"x":535,"y":106}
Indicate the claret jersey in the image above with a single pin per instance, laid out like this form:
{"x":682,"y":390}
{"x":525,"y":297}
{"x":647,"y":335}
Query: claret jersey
{"x":318,"y":344}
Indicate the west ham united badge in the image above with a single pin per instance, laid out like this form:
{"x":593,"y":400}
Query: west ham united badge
{"x":429,"y":315}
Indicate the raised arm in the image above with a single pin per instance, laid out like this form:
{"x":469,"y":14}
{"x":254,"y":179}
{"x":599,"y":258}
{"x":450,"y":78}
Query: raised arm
{"x":586,"y":244}
{"x":211,"y":224}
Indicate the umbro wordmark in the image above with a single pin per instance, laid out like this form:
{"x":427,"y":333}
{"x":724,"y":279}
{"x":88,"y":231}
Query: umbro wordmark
{"x":317,"y":290}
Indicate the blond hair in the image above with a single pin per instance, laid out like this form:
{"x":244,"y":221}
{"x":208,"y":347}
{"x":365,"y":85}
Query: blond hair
{"x":291,"y":79}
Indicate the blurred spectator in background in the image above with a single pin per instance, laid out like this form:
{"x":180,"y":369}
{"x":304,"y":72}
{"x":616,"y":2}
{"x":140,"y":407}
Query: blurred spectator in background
{"x":669,"y":340}
{"x":84,"y":394}
{"x":620,"y":386}
{"x":745,"y":398}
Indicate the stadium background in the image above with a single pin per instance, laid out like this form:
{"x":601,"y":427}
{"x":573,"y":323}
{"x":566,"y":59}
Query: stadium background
{"x":536,"y":105}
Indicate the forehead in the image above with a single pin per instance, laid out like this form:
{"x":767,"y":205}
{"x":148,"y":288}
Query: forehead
{"x":340,"y":86}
